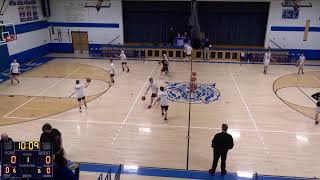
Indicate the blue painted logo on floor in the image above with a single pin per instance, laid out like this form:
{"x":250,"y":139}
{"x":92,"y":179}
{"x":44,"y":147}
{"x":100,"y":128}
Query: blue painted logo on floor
{"x":205,"y":93}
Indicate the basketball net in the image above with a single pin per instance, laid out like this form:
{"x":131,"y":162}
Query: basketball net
{"x":98,"y":5}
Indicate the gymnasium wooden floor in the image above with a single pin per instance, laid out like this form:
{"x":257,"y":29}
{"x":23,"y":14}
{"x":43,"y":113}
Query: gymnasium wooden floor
{"x":270,"y":136}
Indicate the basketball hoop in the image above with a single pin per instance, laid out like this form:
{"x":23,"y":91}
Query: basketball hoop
{"x":8,"y":33}
{"x":295,"y":4}
{"x":98,"y":4}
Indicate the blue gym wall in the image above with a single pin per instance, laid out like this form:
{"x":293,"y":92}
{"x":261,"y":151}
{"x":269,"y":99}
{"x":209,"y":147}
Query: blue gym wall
{"x":4,"y":57}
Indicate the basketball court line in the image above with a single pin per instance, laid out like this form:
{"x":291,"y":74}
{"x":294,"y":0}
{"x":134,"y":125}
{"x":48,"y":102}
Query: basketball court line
{"x":134,"y":103}
{"x":165,"y":126}
{"x":251,"y":117}
{"x":307,"y":95}
{"x":45,"y":90}
{"x":315,"y":78}
{"x":183,"y":61}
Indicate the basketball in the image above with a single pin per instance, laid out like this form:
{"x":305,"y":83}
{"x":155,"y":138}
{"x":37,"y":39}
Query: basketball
{"x":143,"y":98}
{"x":88,"y":80}
{"x":194,"y":73}
{"x":297,"y":63}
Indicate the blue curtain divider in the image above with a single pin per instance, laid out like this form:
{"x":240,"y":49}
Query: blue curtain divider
{"x":223,"y":22}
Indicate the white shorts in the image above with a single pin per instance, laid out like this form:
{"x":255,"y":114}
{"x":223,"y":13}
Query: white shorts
{"x":318,"y":109}
{"x":266,"y":62}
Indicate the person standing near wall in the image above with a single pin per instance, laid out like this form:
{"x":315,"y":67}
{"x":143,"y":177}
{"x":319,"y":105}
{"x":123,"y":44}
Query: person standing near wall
{"x":112,"y":70}
{"x":171,"y":35}
{"x":206,"y":45}
{"x":266,"y":61}
{"x":124,"y":61}
{"x":14,"y":71}
{"x":300,"y":63}
{"x":221,"y":143}
{"x":188,"y":51}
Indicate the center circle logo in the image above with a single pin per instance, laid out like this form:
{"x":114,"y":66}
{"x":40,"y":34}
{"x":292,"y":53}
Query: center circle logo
{"x":179,"y":92}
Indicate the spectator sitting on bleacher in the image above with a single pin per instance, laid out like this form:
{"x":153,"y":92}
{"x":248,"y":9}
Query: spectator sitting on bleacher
{"x":4,"y":138}
{"x":53,"y":136}
{"x":61,"y":171}
{"x":179,"y":40}
{"x":171,"y":35}
{"x":206,"y":48}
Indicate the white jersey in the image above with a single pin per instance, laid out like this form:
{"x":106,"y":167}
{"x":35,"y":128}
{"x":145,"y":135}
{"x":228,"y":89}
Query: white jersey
{"x":14,"y":67}
{"x":188,"y":50}
{"x":302,"y":60}
{"x":111,"y":69}
{"x":266,"y":59}
{"x":79,"y":88}
{"x":166,"y":58}
{"x":163,"y":98}
{"x":154,"y":88}
{"x":123,"y":57}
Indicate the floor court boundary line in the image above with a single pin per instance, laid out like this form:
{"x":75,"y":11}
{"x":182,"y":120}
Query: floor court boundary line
{"x":244,"y":102}
{"x":134,"y":103}
{"x":249,"y":112}
{"x":315,"y":78}
{"x":306,"y":95}
{"x":181,"y":60}
{"x":43,"y":91}
{"x":165,"y":126}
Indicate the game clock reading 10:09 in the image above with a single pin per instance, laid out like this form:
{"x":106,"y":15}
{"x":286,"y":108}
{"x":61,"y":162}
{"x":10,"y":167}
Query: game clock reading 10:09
{"x":27,"y":146}
{"x":26,"y":160}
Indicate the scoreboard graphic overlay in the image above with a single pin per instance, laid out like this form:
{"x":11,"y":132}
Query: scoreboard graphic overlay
{"x":26,"y":160}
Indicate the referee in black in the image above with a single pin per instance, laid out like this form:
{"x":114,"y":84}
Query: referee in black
{"x":221,"y":143}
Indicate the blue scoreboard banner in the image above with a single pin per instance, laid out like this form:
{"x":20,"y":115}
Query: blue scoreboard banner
{"x":290,"y":14}
{"x":26,"y":160}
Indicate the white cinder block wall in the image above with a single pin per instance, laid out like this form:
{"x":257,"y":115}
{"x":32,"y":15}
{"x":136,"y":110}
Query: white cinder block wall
{"x":96,"y":35}
{"x":28,"y":40}
{"x":292,"y":39}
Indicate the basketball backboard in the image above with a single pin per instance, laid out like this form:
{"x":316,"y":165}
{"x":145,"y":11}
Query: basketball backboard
{"x":299,"y":3}
{"x":93,"y":4}
{"x":8,"y":33}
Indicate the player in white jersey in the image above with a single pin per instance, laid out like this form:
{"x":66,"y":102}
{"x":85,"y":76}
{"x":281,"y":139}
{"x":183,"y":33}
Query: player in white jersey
{"x":164,"y":102}
{"x":79,"y":91}
{"x":14,"y":71}
{"x":112,"y":70}
{"x":154,"y":91}
{"x":300,"y":63}
{"x":123,"y":58}
{"x":188,"y":51}
{"x":266,"y":61}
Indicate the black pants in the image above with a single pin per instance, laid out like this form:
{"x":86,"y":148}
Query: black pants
{"x":216,"y":155}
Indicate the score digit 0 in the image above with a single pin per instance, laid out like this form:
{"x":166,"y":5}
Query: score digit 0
{"x":36,"y":144}
{"x":48,"y":160}
{"x":7,"y":170}
{"x":13,"y":159}
{"x":48,"y":170}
